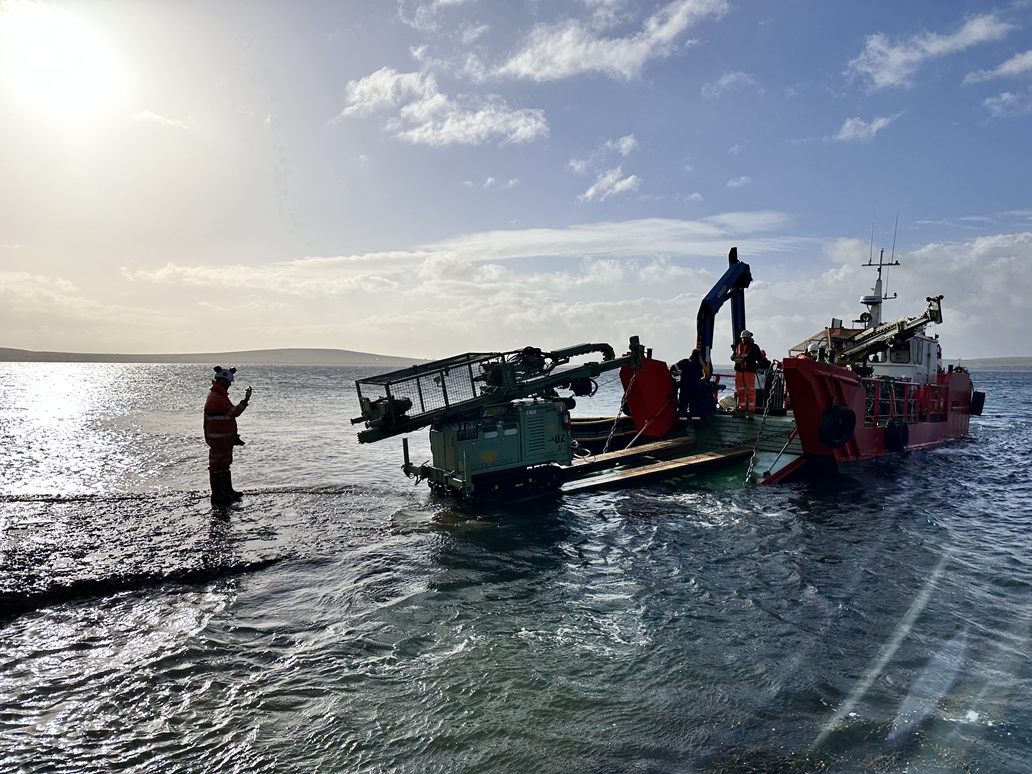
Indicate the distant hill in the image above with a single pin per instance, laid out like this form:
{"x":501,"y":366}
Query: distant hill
{"x":338,"y":357}
{"x":995,"y":363}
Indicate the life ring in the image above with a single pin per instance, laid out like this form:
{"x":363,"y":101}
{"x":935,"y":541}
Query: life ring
{"x":837,"y":426}
{"x":897,"y":436}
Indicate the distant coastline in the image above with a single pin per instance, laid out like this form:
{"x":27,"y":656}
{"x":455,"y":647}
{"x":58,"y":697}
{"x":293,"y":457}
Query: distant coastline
{"x":336,"y":357}
{"x":346,"y":357}
{"x":994,"y":363}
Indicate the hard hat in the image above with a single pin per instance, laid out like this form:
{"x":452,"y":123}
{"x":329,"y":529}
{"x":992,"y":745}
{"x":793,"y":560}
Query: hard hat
{"x":224,"y":373}
{"x":814,"y":347}
{"x":746,"y":334}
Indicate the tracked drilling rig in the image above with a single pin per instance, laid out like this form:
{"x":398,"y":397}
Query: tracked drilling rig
{"x":499,"y":427}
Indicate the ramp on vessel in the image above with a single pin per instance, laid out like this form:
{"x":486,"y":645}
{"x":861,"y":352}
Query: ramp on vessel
{"x":646,"y":463}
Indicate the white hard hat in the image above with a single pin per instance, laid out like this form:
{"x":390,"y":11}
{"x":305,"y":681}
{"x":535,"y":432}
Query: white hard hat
{"x":814,"y":347}
{"x":224,"y":373}
{"x":747,"y":334}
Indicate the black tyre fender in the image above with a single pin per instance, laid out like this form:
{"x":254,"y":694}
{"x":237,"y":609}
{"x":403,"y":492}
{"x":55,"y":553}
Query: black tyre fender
{"x":837,"y":426}
{"x":897,"y":436}
{"x":977,"y":403}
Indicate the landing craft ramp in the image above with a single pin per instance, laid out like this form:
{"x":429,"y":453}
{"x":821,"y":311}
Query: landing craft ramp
{"x":651,"y":462}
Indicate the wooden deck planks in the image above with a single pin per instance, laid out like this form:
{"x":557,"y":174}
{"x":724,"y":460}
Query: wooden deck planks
{"x":695,"y":463}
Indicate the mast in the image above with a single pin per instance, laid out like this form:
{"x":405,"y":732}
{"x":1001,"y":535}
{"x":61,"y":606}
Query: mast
{"x":873,"y":302}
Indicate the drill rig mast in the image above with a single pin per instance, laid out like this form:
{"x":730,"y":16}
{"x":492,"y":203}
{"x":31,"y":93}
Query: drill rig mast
{"x":498,"y":426}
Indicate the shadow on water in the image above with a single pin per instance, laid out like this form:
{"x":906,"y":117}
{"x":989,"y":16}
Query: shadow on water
{"x":60,"y":549}
{"x":499,"y":543}
{"x":57,"y":549}
{"x":14,"y":603}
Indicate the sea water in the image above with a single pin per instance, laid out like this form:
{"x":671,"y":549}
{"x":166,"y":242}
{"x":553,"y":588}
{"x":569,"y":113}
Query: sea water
{"x":344,"y":619}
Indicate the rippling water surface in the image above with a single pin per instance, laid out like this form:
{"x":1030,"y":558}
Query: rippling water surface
{"x":342,"y":619}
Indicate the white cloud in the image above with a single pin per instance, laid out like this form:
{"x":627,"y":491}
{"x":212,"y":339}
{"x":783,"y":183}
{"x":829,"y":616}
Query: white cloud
{"x":1010,"y":103}
{"x":609,"y":183}
{"x":387,"y":88}
{"x":331,"y":277}
{"x":471,"y":33}
{"x":602,"y":152}
{"x":857,"y":129}
{"x":1016,"y":65}
{"x":547,"y":287}
{"x":739,"y":182}
{"x":423,"y":14}
{"x":306,"y":279}
{"x":625,"y":239}
{"x":572,"y":47}
{"x":624,"y":145}
{"x":147,"y":116}
{"x":420,"y":114}
{"x":68,"y":311}
{"x":726,"y":82}
{"x":884,"y":63}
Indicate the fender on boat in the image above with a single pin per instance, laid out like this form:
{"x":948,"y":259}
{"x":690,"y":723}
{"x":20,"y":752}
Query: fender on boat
{"x":977,"y":403}
{"x":837,"y":426}
{"x":897,"y":436}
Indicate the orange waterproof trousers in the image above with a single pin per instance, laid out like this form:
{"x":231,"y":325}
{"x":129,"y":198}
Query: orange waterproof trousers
{"x":745,"y":390}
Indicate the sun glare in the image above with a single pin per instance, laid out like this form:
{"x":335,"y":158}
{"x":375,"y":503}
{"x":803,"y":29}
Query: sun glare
{"x":56,"y":62}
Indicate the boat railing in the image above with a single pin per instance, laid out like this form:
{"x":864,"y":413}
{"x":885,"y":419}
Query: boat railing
{"x":890,"y":400}
{"x":770,"y":391}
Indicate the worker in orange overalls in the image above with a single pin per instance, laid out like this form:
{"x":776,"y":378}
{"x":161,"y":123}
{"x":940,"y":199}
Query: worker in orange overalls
{"x":220,"y":433}
{"x":747,"y":359}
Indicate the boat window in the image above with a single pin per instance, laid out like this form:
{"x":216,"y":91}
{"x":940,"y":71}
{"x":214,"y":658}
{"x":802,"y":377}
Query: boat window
{"x":901,"y":354}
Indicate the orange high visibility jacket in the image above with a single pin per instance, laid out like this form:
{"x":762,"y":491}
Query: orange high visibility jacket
{"x":220,"y":427}
{"x":747,"y":356}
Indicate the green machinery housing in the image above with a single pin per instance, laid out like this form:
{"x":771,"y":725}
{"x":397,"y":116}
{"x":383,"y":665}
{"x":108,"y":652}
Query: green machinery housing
{"x":498,"y":424}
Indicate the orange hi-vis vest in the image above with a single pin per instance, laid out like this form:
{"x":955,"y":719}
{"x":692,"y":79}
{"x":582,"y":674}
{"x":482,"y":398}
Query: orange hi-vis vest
{"x":220,"y":427}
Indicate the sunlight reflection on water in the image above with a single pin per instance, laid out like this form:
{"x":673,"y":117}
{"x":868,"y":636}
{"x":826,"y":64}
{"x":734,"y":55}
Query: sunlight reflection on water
{"x":343,"y":620}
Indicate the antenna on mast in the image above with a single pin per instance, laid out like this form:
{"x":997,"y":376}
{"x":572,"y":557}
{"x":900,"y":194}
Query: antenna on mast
{"x":870,"y":256}
{"x":873,"y":317}
{"x":892,"y":256}
{"x":895,"y":228}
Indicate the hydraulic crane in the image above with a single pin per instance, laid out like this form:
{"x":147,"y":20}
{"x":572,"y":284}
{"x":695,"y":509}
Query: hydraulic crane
{"x":731,"y":286}
{"x":887,"y":335}
{"x":498,"y":426}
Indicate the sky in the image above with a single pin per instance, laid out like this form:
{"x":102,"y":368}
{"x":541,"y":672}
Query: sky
{"x":431,"y":177}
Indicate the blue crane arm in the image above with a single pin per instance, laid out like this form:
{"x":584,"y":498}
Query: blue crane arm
{"x":731,"y":286}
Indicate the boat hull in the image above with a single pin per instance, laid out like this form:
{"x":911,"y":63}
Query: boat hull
{"x":834,"y":417}
{"x":889,"y":416}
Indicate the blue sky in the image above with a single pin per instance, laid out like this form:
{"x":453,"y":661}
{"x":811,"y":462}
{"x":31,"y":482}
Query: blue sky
{"x":429,"y":177}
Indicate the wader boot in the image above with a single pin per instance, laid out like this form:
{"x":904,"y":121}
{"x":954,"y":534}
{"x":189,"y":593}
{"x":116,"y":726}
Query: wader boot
{"x":228,"y":486}
{"x":220,"y":498}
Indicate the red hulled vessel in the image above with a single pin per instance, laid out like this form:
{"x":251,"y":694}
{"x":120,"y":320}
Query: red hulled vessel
{"x":857,"y":393}
{"x":845,"y":394}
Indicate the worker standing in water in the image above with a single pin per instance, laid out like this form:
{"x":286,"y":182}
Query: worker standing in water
{"x":747,"y":359}
{"x":220,"y":433}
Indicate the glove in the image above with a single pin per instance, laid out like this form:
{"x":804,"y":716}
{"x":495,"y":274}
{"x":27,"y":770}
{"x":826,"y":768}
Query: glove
{"x":247,"y":394}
